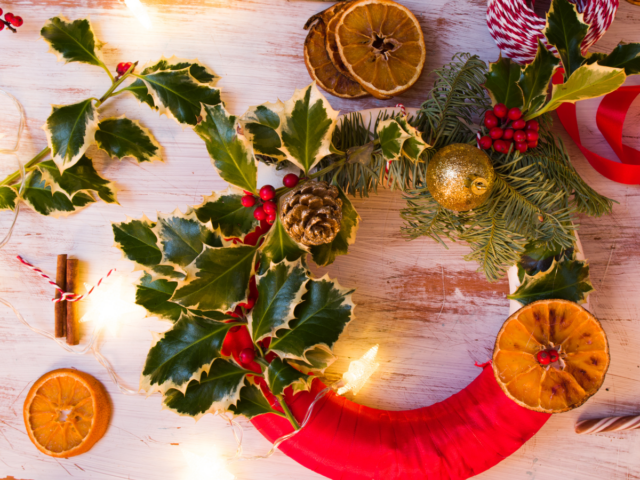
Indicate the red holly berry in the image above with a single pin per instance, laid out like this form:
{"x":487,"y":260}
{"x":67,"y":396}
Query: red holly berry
{"x":520,"y":136}
{"x":267,"y":193}
{"x":519,"y":124}
{"x":508,"y":134}
{"x":269,"y":207}
{"x":0,"y":11}
{"x":515,"y":113}
{"x":247,"y":355}
{"x":259,"y":214}
{"x":533,"y":125}
{"x":290,"y":180}
{"x":500,"y":146}
{"x":271,"y":218}
{"x":543,"y":357}
{"x":1,"y":25}
{"x":553,"y":356}
{"x":521,"y":147}
{"x":486,"y":142}
{"x":17,"y":21}
{"x":9,"y":17}
{"x":532,"y":144}
{"x":248,"y":201}
{"x":532,"y":136}
{"x":490,"y":121}
{"x":500,"y":110}
{"x":123,"y":67}
{"x":496,"y":133}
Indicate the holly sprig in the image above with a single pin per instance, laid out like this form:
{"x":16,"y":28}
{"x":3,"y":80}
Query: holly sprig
{"x":10,"y":21}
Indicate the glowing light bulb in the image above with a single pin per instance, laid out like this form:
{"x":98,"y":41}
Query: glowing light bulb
{"x":206,"y":467}
{"x":139,"y":12}
{"x":110,"y":303}
{"x":359,"y":372}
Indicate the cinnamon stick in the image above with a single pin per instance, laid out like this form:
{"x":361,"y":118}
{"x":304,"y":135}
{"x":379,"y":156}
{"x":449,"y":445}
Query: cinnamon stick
{"x":61,"y":307}
{"x":72,"y":286}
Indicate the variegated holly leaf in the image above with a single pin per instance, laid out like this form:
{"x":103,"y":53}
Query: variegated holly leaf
{"x":325,"y":311}
{"x":122,"y":137}
{"x":260,"y":125}
{"x":137,"y":241}
{"x":70,"y":130}
{"x":225,"y":211}
{"x":326,"y":254}
{"x":252,"y":403}
{"x":154,"y":294}
{"x":281,"y":375}
{"x":412,"y":147}
{"x":280,"y":290}
{"x":279,"y":246}
{"x":565,"y":280}
{"x":392,"y":137}
{"x":588,"y":81}
{"x":535,"y":78}
{"x":625,"y":55}
{"x":8,"y":198}
{"x":166,"y":272}
{"x":317,"y":361}
{"x":215,"y":392}
{"x":201,"y":73}
{"x":38,"y":196}
{"x":72,"y":41}
{"x":218,"y":279}
{"x":502,"y":82}
{"x":183,"y":353}
{"x":566,"y":30}
{"x":178,"y":94}
{"x":230,"y":153}
{"x":80,"y":177}
{"x":181,"y":238}
{"x":306,"y":128}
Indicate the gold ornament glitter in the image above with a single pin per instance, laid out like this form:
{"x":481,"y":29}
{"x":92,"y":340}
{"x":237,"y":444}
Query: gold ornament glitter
{"x":460,"y":177}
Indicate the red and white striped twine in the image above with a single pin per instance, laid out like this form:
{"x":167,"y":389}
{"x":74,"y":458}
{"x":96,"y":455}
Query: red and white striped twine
{"x":609,"y":424}
{"x":68,"y":296}
{"x":402,"y":108}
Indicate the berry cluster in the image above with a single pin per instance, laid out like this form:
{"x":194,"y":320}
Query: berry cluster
{"x":10,"y":21}
{"x":545,"y":357}
{"x":123,"y":68}
{"x":268,"y":208}
{"x":506,"y":127}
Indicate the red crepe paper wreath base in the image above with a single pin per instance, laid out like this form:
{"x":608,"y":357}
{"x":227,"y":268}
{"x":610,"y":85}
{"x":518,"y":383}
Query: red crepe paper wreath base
{"x":455,"y":439}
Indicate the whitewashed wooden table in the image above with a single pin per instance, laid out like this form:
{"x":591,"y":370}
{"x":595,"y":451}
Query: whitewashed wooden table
{"x":431,"y":313}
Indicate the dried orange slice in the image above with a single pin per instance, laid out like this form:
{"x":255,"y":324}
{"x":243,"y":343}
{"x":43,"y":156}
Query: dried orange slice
{"x":381,"y":45}
{"x":319,"y":64}
{"x":332,"y":44}
{"x":551,"y":356}
{"x":66,"y":412}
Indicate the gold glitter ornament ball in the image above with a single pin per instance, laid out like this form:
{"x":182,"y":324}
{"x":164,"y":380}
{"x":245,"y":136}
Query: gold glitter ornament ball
{"x":460,"y":177}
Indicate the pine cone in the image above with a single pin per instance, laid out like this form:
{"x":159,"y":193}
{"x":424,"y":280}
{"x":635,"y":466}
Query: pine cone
{"x":311,"y":213}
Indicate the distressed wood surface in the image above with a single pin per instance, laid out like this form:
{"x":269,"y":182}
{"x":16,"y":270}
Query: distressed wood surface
{"x":431,"y":313}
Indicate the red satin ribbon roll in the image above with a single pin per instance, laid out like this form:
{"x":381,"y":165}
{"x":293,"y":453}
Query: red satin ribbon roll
{"x":610,"y":118}
{"x":460,"y":437}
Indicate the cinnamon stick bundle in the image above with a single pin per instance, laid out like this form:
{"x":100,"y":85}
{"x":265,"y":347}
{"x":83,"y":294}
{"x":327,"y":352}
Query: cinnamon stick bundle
{"x":73,"y":337}
{"x":61,"y":307}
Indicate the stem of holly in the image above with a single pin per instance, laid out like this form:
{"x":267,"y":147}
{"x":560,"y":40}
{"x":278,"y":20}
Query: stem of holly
{"x":282,"y":190}
{"x":8,"y":25}
{"x":287,"y":412}
{"x":34,"y":161}
{"x":115,"y":85}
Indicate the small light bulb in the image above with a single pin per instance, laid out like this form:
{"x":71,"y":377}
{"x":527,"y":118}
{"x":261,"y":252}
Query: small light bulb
{"x":110,"y":303}
{"x":139,"y":12}
{"x":206,"y":467}
{"x":359,"y":372}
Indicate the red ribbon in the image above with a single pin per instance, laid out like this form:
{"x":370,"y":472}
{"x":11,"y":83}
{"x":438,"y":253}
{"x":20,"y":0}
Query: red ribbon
{"x":610,"y":118}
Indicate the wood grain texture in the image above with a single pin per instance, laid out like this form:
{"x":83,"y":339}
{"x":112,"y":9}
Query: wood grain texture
{"x":432,"y":313}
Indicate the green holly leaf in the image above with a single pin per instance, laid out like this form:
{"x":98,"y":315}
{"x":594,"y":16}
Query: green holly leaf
{"x":502,"y":83}
{"x":181,"y":238}
{"x":183,"y":353}
{"x":197,"y":71}
{"x":38,"y":196}
{"x":218,"y":279}
{"x":260,"y":125}
{"x":8,"y":198}
{"x":225,"y":211}
{"x":326,"y":254}
{"x":588,"y":81}
{"x":392,"y":137}
{"x":154,"y":294}
{"x":412,"y":147}
{"x":230,"y":153}
{"x":625,"y":55}
{"x":137,"y":241}
{"x":72,"y":41}
{"x":178,"y":94}
{"x":279,"y":246}
{"x":280,"y":290}
{"x":535,"y":78}
{"x":317,"y":361}
{"x":566,"y":30}
{"x":565,"y":280}
{"x":122,"y":137}
{"x":281,"y":375}
{"x":252,"y":403}
{"x":307,"y":127}
{"x":538,"y":257}
{"x":81,"y":177}
{"x":215,"y":392}
{"x":70,"y":130}
{"x":325,"y":311}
